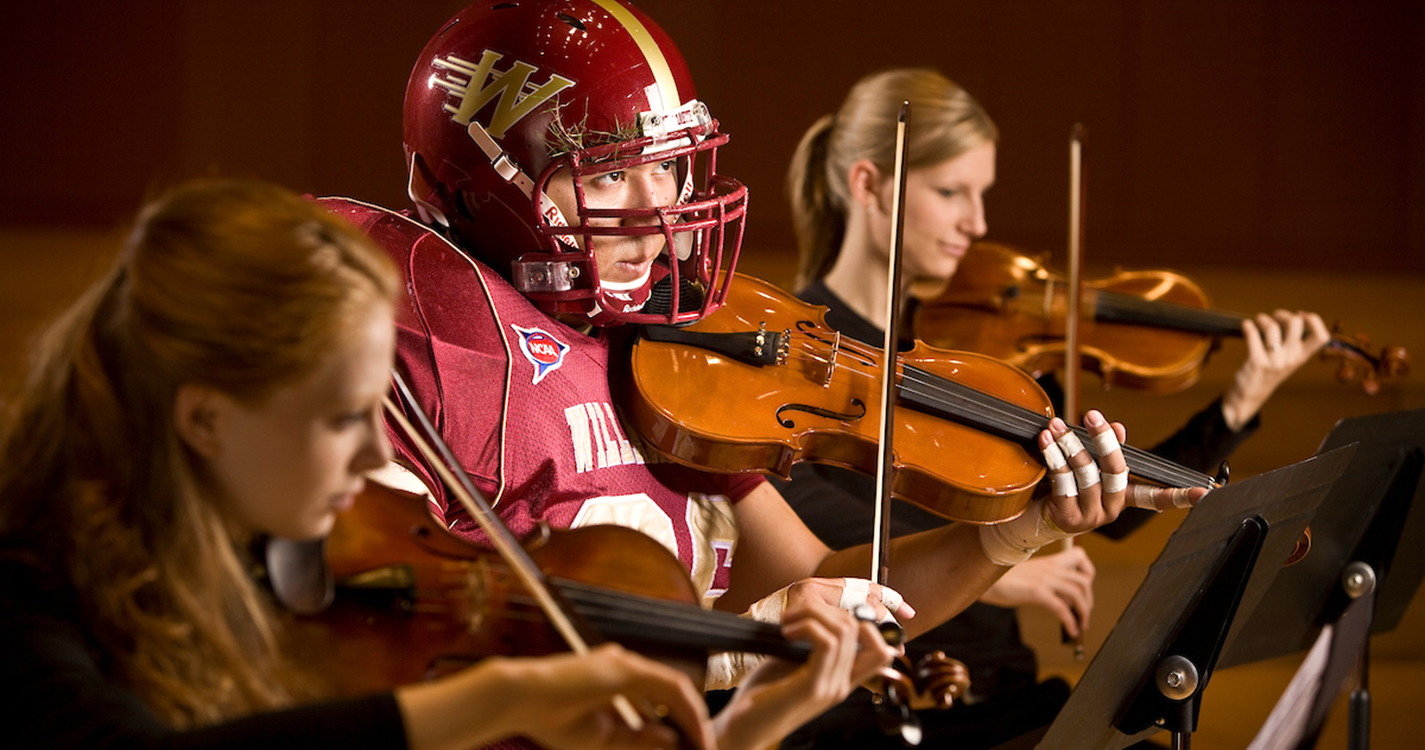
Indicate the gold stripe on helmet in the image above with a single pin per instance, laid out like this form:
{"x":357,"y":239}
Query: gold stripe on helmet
{"x":662,"y":74}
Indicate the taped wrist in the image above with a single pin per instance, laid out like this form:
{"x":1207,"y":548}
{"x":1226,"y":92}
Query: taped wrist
{"x":1013,"y":542}
{"x":726,"y":669}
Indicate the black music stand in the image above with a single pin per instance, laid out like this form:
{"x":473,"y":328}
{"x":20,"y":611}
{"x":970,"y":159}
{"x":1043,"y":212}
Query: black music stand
{"x":1152,"y":669}
{"x":1366,"y":562}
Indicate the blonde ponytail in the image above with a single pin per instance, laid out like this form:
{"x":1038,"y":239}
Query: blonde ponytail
{"x":945,"y":122}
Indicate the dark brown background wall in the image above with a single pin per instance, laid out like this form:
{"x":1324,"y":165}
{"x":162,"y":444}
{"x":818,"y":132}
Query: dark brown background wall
{"x":1273,"y":149}
{"x":1271,"y":134}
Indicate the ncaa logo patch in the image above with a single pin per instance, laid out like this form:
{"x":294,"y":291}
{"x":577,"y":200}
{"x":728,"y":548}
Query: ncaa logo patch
{"x":543,"y":351}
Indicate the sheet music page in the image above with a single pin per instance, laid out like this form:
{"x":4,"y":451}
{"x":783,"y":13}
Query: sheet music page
{"x":1283,"y":728}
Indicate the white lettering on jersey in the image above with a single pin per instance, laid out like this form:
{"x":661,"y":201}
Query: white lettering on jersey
{"x":714,"y":530}
{"x":598,"y":439}
{"x":636,"y":511}
{"x":710,"y":523}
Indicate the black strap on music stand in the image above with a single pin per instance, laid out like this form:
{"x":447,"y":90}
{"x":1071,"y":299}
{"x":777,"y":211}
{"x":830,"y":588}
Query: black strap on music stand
{"x":1366,"y":562}
{"x":1152,"y":669}
{"x":1169,"y":697}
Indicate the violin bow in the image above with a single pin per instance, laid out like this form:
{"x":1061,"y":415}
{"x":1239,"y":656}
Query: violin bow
{"x":1071,"y":317}
{"x":902,"y":720}
{"x":438,"y":454}
{"x":1076,"y":266}
{"x":881,"y":524}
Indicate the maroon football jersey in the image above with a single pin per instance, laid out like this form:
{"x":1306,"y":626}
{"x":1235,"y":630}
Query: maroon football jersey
{"x":524,"y":403}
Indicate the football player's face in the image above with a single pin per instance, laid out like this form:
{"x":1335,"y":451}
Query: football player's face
{"x":622,"y":260}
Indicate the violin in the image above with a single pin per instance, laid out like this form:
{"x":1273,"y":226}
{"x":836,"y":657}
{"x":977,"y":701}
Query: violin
{"x":763,"y":383}
{"x":1146,"y":330}
{"x":410,"y":601}
{"x":419,"y":602}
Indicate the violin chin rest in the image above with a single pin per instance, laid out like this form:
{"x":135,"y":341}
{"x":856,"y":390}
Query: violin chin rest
{"x":299,"y":575}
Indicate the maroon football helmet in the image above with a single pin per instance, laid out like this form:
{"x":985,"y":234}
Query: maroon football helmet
{"x":508,"y":93}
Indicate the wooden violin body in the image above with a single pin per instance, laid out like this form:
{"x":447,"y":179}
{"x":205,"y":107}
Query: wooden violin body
{"x":1147,"y":330}
{"x":413,"y":601}
{"x":819,"y":403}
{"x":710,"y":395}
{"x":1007,"y":305}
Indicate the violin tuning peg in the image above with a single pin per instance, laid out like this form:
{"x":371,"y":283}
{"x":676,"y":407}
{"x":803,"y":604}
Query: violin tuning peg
{"x":892,"y":632}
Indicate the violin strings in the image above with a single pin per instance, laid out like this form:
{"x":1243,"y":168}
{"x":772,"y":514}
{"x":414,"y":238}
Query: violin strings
{"x":1127,"y":308}
{"x":686,"y":616}
{"x":963,"y":403}
{"x":614,"y":613}
{"x":1026,"y":424}
{"x":717,"y":630}
{"x":955,"y":400}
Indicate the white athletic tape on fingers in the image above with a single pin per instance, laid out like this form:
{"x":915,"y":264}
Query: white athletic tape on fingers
{"x":1141,"y":496}
{"x":1065,"y":485}
{"x":1069,"y":441}
{"x":891,"y":598}
{"x":1054,"y":458}
{"x":1180,"y":498}
{"x":1013,"y":542}
{"x":727,"y":668}
{"x":1087,"y":475}
{"x":853,"y":593}
{"x":1114,"y":481}
{"x":1106,"y":442}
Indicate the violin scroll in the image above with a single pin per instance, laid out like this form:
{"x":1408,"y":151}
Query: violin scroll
{"x":933,"y":682}
{"x":1356,"y":363}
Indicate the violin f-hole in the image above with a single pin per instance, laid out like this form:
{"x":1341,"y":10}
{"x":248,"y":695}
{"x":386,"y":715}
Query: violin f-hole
{"x":820,"y":412}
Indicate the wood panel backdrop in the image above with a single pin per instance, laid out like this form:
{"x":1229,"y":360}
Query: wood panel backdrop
{"x":1273,"y":150}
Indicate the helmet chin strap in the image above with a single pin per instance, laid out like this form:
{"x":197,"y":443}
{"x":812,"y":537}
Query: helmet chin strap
{"x":625,"y":286}
{"x":622,"y":292}
{"x":510,"y":172}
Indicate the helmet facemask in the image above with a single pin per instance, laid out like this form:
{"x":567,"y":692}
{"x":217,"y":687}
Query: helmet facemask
{"x":703,"y":225}
{"x":508,"y":94}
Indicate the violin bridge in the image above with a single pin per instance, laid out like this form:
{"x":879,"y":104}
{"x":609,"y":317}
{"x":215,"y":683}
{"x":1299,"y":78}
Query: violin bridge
{"x":831,"y":360}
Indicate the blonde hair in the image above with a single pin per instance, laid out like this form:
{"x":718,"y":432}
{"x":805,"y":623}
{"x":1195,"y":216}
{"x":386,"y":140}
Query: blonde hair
{"x":945,"y":122}
{"x":241,"y":286}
